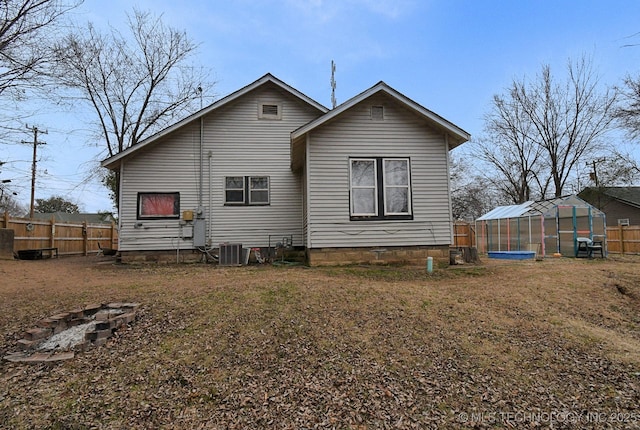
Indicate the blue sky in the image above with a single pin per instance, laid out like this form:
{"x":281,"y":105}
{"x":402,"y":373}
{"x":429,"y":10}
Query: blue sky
{"x":450,"y":56}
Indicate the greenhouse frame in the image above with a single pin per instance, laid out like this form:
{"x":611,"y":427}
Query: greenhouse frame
{"x":548,"y":227}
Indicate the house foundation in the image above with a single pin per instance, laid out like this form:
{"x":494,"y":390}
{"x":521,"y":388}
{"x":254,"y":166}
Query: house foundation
{"x":169,"y":256}
{"x":399,"y":255}
{"x":403,"y":255}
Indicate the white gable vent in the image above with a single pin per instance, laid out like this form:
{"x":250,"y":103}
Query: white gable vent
{"x":623,"y":221}
{"x":270,"y":111}
{"x":377,"y":113}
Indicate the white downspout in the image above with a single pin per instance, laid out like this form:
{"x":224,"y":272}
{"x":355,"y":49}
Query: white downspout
{"x":210,"y":228}
{"x":446,"y":143}
{"x":200,"y":184}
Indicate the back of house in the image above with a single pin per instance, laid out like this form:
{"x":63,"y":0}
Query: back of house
{"x":268,"y":166}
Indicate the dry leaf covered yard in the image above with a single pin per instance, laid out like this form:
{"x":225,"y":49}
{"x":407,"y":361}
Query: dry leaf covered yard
{"x":552,"y":344}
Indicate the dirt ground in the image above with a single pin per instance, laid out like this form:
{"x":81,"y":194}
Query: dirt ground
{"x":502,"y":344}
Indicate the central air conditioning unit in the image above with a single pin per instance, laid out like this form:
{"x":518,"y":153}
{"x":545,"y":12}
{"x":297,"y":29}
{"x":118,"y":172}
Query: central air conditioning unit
{"x":230,"y":254}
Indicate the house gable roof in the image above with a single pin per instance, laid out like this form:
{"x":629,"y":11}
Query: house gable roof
{"x":627,"y":195}
{"x":454,"y":132}
{"x":114,"y":161}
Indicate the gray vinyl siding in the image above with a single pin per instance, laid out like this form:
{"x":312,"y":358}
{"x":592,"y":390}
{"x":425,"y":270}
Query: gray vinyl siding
{"x":157,"y":171}
{"x":354,"y":134}
{"x":236,"y":143}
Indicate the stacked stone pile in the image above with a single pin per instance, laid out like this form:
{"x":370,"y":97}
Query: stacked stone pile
{"x":57,"y":337}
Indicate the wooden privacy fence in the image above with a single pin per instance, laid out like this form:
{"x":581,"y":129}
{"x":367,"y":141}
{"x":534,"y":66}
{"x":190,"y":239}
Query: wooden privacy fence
{"x":70,"y":238}
{"x":620,"y":239}
{"x":623,"y":239}
{"x":464,"y":234}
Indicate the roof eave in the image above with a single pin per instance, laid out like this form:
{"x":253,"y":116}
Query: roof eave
{"x":114,"y":161}
{"x":458,"y":136}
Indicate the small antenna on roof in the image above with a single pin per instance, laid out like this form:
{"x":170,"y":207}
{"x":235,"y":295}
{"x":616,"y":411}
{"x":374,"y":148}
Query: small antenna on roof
{"x":199,"y":91}
{"x":333,"y":84}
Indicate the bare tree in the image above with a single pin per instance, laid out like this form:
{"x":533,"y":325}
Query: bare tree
{"x":517,"y":163}
{"x":25,"y":29}
{"x":540,"y":131}
{"x":628,"y":111}
{"x":135,"y":85}
{"x":617,"y":169}
{"x":570,"y":119}
{"x":8,"y":202}
{"x":472,"y":195}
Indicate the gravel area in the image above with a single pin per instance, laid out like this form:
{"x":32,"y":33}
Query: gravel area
{"x":68,"y":338}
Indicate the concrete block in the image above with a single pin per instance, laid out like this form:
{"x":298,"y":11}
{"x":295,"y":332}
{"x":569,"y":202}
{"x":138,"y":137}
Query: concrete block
{"x":60,"y":327}
{"x":77,"y":314}
{"x":92,"y":309}
{"x":99,"y":334}
{"x":38,"y":333}
{"x":47,"y":323}
{"x":65,"y":316}
{"x":25,"y":344}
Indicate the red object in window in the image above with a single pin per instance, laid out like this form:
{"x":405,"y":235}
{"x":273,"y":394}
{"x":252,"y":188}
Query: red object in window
{"x":158,"y":205}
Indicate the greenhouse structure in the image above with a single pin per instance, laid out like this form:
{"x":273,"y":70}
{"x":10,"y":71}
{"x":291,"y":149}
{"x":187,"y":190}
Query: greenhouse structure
{"x":548,"y":227}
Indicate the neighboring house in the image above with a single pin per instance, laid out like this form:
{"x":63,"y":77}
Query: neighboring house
{"x":620,"y":204}
{"x":89,"y":218}
{"x":367,"y":180}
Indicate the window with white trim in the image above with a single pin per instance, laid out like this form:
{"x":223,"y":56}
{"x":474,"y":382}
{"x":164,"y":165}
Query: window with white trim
{"x":258,"y":190}
{"x":380,"y":188}
{"x":364,"y":187}
{"x":234,"y":190}
{"x":246,"y":190}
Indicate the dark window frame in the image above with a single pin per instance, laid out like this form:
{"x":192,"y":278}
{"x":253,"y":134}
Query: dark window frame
{"x":140,"y":205}
{"x":247,"y":191}
{"x":381,"y":210}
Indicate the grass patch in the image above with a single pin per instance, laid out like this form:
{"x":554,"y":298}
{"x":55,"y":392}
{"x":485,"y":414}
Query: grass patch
{"x":338,"y":347}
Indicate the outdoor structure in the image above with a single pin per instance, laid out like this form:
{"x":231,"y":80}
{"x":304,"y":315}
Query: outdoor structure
{"x":266,"y":165}
{"x":620,"y":204}
{"x":547,"y":227}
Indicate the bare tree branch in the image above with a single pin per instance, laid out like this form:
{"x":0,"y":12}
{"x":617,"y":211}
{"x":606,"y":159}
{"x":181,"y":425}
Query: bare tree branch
{"x":136,"y":85}
{"x":23,"y":42}
{"x":627,"y":112}
{"x":539,"y":131}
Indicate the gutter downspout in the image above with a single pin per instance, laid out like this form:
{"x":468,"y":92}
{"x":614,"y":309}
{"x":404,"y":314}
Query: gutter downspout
{"x":200,"y":184}
{"x":210,"y":229}
{"x":451,"y":220}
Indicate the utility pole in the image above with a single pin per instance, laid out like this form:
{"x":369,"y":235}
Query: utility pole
{"x":35,"y":132}
{"x":594,"y":174}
